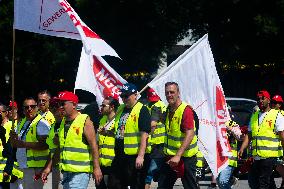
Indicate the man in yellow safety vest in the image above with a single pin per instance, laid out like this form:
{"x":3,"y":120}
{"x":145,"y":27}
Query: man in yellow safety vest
{"x":106,"y":137}
{"x":132,"y":126}
{"x":30,"y":141}
{"x":266,"y":131}
{"x":79,"y":156}
{"x":181,"y":142}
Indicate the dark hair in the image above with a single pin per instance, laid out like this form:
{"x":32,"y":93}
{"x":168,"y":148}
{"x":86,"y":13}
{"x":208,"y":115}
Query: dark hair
{"x":113,"y":102}
{"x":29,"y":98}
{"x":5,"y":108}
{"x":45,"y":92}
{"x":172,"y":83}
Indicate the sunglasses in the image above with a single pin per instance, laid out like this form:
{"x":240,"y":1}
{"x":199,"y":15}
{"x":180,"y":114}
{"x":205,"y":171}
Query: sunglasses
{"x":104,"y":105}
{"x":42,"y":101}
{"x":30,"y":106}
{"x":260,"y":98}
{"x":2,"y":112}
{"x":63,"y":103}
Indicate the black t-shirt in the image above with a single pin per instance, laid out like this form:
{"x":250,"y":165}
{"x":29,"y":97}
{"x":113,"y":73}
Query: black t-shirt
{"x":92,"y":110}
{"x":144,"y":125}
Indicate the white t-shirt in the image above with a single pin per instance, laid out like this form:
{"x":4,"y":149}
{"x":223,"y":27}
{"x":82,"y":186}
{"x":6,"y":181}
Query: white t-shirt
{"x":42,"y":129}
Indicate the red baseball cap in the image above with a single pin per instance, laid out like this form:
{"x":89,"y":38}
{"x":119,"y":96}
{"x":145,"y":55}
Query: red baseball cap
{"x":152,"y":95}
{"x":11,"y":104}
{"x":67,"y":96}
{"x":263,"y":93}
{"x":277,"y":98}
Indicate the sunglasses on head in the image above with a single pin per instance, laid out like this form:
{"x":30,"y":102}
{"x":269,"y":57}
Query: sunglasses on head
{"x":30,"y":106}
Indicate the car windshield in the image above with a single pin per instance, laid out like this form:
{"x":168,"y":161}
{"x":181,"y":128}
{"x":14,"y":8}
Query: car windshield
{"x":241,"y":109}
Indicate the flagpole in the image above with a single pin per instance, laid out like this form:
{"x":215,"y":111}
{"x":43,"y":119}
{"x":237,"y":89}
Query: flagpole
{"x":144,"y":88}
{"x":13,"y":78}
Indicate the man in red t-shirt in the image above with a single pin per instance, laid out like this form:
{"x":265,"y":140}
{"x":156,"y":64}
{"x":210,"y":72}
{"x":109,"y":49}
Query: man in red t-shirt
{"x":181,"y":157}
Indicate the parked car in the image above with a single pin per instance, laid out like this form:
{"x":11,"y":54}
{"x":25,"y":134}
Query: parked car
{"x":242,"y":108}
{"x":81,"y":106}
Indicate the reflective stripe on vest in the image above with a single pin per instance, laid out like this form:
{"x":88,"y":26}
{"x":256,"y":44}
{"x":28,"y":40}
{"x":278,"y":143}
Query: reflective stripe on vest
{"x":175,"y":136}
{"x":35,"y":158}
{"x":75,"y":155}
{"x":131,"y":133}
{"x":233,"y":160}
{"x":15,"y":171}
{"x":106,"y":145}
{"x":52,"y":147}
{"x":159,"y":134}
{"x":265,"y":142}
{"x":199,"y":157}
{"x":21,"y":124}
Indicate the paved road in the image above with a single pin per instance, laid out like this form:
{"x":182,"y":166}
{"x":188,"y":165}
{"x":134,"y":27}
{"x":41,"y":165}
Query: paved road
{"x":241,"y":184}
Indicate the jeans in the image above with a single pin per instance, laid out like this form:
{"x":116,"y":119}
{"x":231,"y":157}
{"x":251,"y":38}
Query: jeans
{"x":28,"y":181}
{"x":168,"y":177}
{"x":224,"y":178}
{"x":260,"y":173}
{"x":154,"y":169}
{"x":75,"y":180}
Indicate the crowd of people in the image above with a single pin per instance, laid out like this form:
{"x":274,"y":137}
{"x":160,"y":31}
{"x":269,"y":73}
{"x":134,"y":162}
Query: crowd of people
{"x":129,"y":144}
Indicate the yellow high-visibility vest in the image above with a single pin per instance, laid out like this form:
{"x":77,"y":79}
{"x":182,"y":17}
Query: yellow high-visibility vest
{"x":233,"y":160}
{"x":132,"y":134}
{"x":175,"y":137}
{"x":75,"y":155}
{"x":199,"y":157}
{"x":265,"y":141}
{"x":106,"y":145}
{"x":159,"y":134}
{"x":35,"y":158}
{"x":49,"y":141}
{"x":49,"y":117}
{"x":15,"y":171}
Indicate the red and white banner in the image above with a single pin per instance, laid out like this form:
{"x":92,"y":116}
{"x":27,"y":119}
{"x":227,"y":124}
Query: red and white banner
{"x":93,"y":44}
{"x":96,"y":76}
{"x":199,"y":83}
{"x":58,"y":18}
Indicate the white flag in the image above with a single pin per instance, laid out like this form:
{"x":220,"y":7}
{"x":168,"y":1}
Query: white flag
{"x":96,"y":76}
{"x":199,"y":83}
{"x":58,"y":18}
{"x":93,"y":44}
